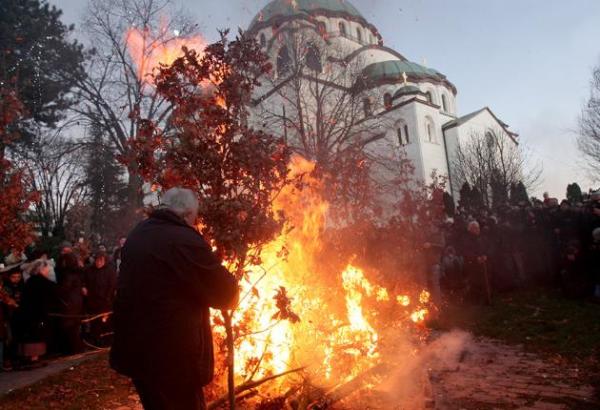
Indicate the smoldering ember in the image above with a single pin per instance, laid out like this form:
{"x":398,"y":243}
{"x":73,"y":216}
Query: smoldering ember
{"x":282,"y":204}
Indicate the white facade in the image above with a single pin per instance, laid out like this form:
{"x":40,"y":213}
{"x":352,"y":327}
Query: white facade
{"x":421,"y":116}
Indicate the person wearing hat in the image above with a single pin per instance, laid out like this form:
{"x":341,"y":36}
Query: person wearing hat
{"x":100,"y":283}
{"x":15,"y":257}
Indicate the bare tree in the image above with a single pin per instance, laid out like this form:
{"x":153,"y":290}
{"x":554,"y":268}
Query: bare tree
{"x":317,"y":99}
{"x":589,"y":127}
{"x":54,"y":170}
{"x":130,"y":38}
{"x":314,"y":96}
{"x":493,"y":162}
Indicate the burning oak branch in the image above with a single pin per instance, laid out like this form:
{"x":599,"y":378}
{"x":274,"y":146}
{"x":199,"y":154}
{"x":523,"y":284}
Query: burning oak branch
{"x":307,"y":312}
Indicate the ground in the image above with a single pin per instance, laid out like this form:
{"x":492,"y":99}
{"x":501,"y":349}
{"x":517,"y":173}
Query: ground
{"x":91,"y":384}
{"x":492,"y":375}
{"x":530,"y":350}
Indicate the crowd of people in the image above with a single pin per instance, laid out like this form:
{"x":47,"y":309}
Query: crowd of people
{"x":49,"y":307}
{"x":539,"y":243}
{"x":55,"y":305}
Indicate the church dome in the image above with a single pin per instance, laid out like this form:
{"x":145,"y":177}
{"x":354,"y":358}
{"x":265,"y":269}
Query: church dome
{"x":392,"y":71}
{"x":281,"y":10}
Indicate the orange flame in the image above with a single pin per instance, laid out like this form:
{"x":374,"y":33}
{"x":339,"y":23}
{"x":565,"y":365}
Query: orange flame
{"x":149,"y":50}
{"x":338,"y":332}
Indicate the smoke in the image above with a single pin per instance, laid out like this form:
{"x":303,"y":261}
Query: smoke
{"x":408,"y":385}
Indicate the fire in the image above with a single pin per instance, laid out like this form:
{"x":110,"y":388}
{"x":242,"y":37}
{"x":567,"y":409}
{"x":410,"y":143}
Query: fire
{"x":149,"y":50}
{"x":339,"y":332}
{"x":419,"y":315}
{"x":424,"y":296}
{"x":403,"y":300}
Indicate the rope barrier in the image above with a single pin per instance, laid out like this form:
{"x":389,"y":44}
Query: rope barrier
{"x":84,"y":318}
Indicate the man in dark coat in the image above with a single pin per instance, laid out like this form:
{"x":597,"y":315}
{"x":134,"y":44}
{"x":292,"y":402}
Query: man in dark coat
{"x":70,"y":304}
{"x":100,"y":281}
{"x":168,"y":279}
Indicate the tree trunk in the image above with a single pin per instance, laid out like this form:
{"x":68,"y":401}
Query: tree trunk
{"x":135,"y":195}
{"x":227,"y":316}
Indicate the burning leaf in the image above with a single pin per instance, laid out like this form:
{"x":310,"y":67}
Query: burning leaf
{"x":283,"y":303}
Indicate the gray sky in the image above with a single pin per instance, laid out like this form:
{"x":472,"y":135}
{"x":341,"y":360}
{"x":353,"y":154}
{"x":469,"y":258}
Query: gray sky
{"x":530,"y":61}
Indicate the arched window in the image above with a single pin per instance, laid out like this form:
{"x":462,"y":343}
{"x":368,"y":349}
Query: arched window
{"x":342,"y":28}
{"x":429,"y":97}
{"x":313,"y":58}
{"x":359,"y":34}
{"x":387,"y":101}
{"x":430,"y":130}
{"x":401,"y":133}
{"x":444,"y":103}
{"x":263,"y":40}
{"x":284,"y":62}
{"x":406,"y":137}
{"x":367,"y":106}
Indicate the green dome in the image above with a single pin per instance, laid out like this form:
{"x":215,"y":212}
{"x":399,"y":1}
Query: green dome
{"x":406,"y":90}
{"x":290,"y":8}
{"x":393,"y":69}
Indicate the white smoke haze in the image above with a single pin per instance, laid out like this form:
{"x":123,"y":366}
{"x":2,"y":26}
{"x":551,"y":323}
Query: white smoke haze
{"x":408,"y":386}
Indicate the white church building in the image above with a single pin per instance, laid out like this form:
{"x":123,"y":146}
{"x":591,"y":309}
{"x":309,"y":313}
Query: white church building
{"x":417,"y":104}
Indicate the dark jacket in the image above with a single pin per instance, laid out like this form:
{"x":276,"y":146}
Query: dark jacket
{"x":39,"y":299}
{"x":70,"y":296}
{"x":100,"y":284}
{"x":168,"y":279}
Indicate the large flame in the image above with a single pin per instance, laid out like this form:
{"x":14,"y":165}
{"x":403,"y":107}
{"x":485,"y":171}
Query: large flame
{"x":340,"y":313}
{"x":149,"y":50}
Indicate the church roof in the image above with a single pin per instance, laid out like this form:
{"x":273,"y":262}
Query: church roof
{"x":465,"y":118}
{"x":461,"y":120}
{"x":278,"y":9}
{"x":392,"y":71}
{"x":407,"y":89}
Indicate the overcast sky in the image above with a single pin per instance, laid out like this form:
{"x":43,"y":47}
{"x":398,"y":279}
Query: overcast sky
{"x":530,"y":61}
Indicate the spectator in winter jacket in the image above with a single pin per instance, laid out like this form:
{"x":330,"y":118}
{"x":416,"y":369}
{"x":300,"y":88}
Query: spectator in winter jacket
{"x":169,"y":278}
{"x":70,"y":304}
{"x":39,"y":299}
{"x":100,"y":281}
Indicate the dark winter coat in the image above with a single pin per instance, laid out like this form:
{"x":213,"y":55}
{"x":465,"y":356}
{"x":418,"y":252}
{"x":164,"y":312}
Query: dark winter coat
{"x":70,"y":296}
{"x":100,"y":284}
{"x":39,"y":299}
{"x":168,"y":279}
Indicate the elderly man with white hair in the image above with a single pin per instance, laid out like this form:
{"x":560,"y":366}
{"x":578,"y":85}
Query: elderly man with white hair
{"x":168,"y":279}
